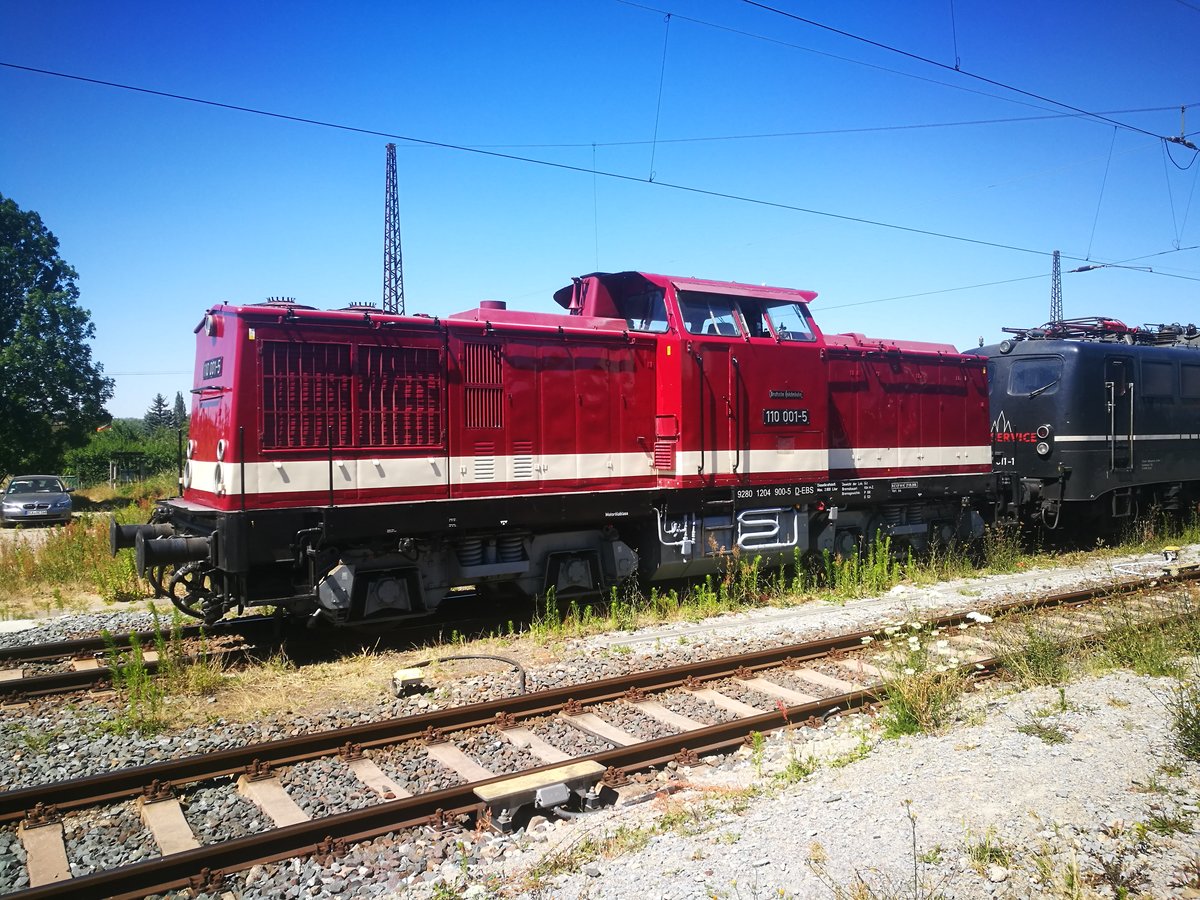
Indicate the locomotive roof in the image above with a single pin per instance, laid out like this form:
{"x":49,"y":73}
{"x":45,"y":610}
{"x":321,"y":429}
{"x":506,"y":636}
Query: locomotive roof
{"x":564,"y":296}
{"x":1063,"y":346}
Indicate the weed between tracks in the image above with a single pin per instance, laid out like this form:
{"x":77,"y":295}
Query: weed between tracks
{"x":924,"y":684}
{"x":180,"y":671}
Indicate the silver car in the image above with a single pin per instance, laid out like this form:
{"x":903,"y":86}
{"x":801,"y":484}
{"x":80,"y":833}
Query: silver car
{"x":35,"y":498}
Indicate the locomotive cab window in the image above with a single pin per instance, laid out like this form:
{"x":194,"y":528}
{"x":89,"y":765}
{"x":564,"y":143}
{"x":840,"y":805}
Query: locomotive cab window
{"x":1189,"y":378}
{"x":1034,"y":376}
{"x":709,"y":314}
{"x":789,"y":321}
{"x":1158,"y":379}
{"x":644,"y":311}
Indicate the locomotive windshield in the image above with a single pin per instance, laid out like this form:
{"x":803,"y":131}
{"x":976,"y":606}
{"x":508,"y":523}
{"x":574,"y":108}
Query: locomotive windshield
{"x":789,"y":321}
{"x":711,"y":314}
{"x":1035,"y":375}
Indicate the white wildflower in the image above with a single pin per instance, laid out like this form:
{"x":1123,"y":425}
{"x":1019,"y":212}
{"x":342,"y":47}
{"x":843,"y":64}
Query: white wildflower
{"x":943,"y":644}
{"x":910,"y":671}
{"x":868,"y":639}
{"x":981,"y":618}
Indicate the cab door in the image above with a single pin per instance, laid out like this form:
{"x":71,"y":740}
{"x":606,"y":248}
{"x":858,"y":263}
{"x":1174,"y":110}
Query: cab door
{"x":712,"y":389}
{"x":1119,"y":389}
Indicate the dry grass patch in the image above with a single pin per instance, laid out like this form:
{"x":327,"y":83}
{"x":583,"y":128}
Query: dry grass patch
{"x":278,"y":687}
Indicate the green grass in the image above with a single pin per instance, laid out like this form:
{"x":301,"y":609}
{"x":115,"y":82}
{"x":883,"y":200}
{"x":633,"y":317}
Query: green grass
{"x":741,"y":584}
{"x":923,"y":687}
{"x":178,"y":672}
{"x":69,"y":560}
{"x":1152,"y":648}
{"x":987,"y":850}
{"x":1036,"y":655}
{"x":1047,"y":734}
{"x":1183,"y":704}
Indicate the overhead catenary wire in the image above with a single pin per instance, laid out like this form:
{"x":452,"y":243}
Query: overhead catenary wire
{"x":549,"y":164}
{"x":617,"y":176}
{"x":1100,"y":199}
{"x":846,"y":59}
{"x":821,"y":132}
{"x":662,"y":77}
{"x":965,"y":287}
{"x":954,"y":34}
{"x":941,"y":65}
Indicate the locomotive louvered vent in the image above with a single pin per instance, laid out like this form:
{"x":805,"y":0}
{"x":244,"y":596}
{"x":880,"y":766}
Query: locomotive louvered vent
{"x":306,"y":394}
{"x":483,"y":386}
{"x":359,"y":306}
{"x":485,"y":462}
{"x":399,"y":396}
{"x":522,"y":460}
{"x":664,"y":454}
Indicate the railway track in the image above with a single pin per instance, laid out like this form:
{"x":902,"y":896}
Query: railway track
{"x":58,"y":667}
{"x":35,"y":670}
{"x":634,"y":721}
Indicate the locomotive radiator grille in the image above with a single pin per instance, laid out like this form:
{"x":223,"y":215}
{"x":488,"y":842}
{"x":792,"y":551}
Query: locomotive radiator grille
{"x":306,"y":394}
{"x":399,"y":396}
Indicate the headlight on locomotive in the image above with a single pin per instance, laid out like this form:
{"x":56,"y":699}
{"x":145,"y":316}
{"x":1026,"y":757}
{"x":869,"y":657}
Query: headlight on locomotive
{"x":1044,"y":446}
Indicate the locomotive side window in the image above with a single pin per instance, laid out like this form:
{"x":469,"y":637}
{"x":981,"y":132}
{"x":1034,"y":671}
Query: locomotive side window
{"x":709,"y":314}
{"x":1158,"y":379}
{"x":1034,"y":376}
{"x":644,"y":311}
{"x":1189,"y":377}
{"x":789,"y":321}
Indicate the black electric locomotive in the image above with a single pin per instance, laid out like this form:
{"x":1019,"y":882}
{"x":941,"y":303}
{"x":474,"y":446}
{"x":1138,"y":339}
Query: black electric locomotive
{"x":1095,"y":421}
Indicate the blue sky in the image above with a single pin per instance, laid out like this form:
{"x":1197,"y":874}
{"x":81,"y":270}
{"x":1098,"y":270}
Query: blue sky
{"x":166,"y":207}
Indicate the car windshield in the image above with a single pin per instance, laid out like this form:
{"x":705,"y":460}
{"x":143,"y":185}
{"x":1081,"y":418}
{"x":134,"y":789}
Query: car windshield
{"x":36,"y":486}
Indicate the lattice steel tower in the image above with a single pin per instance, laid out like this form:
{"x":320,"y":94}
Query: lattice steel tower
{"x":393,"y":259}
{"x":1056,"y":313}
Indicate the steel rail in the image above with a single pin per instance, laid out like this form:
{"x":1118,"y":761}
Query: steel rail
{"x":178,"y":870}
{"x":202,"y":867}
{"x":98,"y":644}
{"x":97,"y":679}
{"x":126,"y":783}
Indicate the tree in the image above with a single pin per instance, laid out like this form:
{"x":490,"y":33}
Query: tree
{"x":52,"y":394}
{"x":159,"y":450}
{"x":158,"y":416}
{"x":180,"y":410}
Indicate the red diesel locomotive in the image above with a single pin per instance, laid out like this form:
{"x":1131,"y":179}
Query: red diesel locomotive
{"x":354,"y":465}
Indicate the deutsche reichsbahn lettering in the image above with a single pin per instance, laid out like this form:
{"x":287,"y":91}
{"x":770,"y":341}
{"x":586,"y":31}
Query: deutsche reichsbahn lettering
{"x":785,"y":416}
{"x":212,"y":368}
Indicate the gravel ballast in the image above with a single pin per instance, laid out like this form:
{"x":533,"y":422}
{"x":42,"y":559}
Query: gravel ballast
{"x":1050,"y":806}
